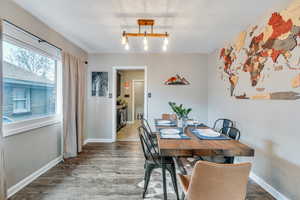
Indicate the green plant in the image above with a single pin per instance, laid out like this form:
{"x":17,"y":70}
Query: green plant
{"x":180,"y":111}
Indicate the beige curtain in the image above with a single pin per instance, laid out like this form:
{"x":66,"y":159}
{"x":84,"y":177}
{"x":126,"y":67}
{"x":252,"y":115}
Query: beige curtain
{"x":2,"y":172}
{"x":74,"y":74}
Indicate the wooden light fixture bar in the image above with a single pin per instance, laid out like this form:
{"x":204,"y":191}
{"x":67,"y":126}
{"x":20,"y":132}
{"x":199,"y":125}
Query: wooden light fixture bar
{"x":163,"y":35}
{"x":145,"y":22}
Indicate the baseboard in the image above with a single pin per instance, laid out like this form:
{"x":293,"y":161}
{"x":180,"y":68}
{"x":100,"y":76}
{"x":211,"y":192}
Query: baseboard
{"x":129,"y":122}
{"x":96,"y":140}
{"x":129,"y":140}
{"x":276,"y":194}
{"x":23,"y":183}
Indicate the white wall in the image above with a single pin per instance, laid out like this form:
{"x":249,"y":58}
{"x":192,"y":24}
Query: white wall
{"x":27,"y":152}
{"x":17,"y":15}
{"x":160,"y":67}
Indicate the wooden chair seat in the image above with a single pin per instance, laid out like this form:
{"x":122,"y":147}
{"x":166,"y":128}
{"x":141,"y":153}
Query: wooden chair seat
{"x":185,"y":182}
{"x":211,"y":181}
{"x":169,"y":116}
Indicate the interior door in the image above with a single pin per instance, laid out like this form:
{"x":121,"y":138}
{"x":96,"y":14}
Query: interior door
{"x":138,"y":98}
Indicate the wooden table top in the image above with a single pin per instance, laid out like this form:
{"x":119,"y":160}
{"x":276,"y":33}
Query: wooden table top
{"x":195,"y":146}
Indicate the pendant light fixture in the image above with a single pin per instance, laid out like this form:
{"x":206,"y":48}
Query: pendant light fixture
{"x":144,"y":23}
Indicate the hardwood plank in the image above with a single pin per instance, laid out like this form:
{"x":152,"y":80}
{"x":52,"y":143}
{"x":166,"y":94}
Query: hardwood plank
{"x":103,"y":172}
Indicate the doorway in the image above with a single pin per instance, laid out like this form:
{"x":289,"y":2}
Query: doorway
{"x":137,"y":99}
{"x":129,"y":102}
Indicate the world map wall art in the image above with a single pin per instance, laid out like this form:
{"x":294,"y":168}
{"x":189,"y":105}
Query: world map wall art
{"x":264,"y":61}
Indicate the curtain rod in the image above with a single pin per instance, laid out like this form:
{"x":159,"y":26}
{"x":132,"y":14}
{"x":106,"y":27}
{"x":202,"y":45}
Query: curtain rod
{"x":40,"y":40}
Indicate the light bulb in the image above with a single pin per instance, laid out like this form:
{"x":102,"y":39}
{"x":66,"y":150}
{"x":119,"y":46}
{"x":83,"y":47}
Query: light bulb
{"x":166,"y":41}
{"x":146,"y":47}
{"x":127,"y":46}
{"x":124,"y":40}
{"x":165,"y":48}
{"x":145,"y":40}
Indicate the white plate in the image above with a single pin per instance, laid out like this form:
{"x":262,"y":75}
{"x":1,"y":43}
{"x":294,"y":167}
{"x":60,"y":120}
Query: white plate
{"x":208,"y":132}
{"x":190,"y":122}
{"x":169,"y":131}
{"x":163,"y":122}
{"x":171,"y":136}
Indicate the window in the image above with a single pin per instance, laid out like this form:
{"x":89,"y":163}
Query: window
{"x":30,"y":83}
{"x":21,"y":100}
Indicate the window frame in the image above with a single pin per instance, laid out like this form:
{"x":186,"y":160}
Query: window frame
{"x":22,"y":40}
{"x":26,"y":99}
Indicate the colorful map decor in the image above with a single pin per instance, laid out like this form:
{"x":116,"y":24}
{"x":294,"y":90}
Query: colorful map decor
{"x":264,"y":61}
{"x":176,"y":80}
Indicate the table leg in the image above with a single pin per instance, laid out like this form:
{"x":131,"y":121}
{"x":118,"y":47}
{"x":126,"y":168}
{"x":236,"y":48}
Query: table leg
{"x":164,"y":177}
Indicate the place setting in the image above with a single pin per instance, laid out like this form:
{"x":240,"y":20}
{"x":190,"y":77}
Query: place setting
{"x":208,"y":134}
{"x":173,"y":133}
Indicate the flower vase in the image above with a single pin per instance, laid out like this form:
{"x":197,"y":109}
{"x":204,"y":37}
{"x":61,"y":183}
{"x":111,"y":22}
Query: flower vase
{"x":180,"y":123}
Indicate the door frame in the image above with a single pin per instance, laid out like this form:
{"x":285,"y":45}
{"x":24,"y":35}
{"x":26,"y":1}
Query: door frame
{"x":114,"y":94}
{"x":133,"y":96}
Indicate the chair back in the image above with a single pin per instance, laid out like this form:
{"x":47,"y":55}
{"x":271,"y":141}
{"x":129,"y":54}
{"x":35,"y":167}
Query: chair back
{"x":148,"y":132}
{"x":146,"y":124}
{"x":231,"y":132}
{"x":147,"y":146}
{"x":169,"y":116}
{"x":223,"y":123}
{"x":211,"y":181}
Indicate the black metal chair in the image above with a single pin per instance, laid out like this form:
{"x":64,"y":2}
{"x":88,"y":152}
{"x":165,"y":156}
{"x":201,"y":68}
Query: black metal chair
{"x":146,"y":124}
{"x":231,"y":132}
{"x":150,"y":133}
{"x":225,"y":123}
{"x":150,"y":138}
{"x":153,"y":161}
{"x":234,"y":134}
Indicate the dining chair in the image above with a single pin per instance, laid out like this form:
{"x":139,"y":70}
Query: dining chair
{"x":146,"y":124}
{"x":223,"y":124}
{"x":231,"y":132}
{"x":211,"y":181}
{"x":169,"y":116}
{"x":234,"y":134}
{"x":150,"y":138}
{"x":153,"y":161}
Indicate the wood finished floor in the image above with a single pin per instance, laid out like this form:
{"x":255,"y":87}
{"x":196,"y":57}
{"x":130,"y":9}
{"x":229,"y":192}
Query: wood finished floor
{"x":101,"y":172}
{"x":129,"y":132}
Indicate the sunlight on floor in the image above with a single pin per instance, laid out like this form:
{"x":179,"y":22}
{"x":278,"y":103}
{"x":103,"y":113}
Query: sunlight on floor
{"x":129,"y":132}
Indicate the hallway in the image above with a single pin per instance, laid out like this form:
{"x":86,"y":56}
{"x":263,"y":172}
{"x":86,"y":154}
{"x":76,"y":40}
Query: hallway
{"x":129,"y":132}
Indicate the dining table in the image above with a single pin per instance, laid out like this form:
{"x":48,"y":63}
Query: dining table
{"x":193,"y":146}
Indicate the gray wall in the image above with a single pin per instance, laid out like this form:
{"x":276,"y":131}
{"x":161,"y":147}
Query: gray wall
{"x":27,"y":152}
{"x":160,"y":68}
{"x":270,"y":126}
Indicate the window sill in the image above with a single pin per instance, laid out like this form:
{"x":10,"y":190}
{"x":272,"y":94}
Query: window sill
{"x":25,"y":126}
{"x":20,"y":112}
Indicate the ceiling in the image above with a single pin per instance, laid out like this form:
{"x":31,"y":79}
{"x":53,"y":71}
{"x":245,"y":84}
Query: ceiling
{"x":195,"y":26}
